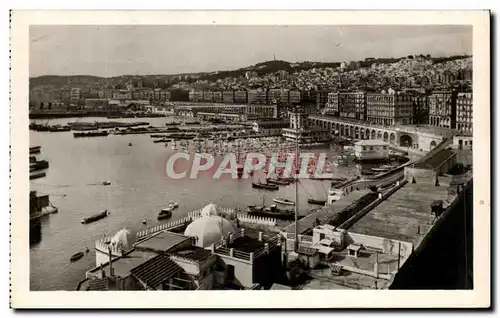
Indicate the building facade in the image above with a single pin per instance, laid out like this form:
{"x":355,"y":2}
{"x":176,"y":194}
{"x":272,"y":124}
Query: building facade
{"x":389,"y":109}
{"x":270,"y":127}
{"x":464,"y":112}
{"x":420,"y":109}
{"x":443,"y":109}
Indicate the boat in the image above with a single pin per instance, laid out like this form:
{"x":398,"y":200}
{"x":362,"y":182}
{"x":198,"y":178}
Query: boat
{"x":106,"y":182}
{"x":37,"y":175}
{"x":315,"y":201}
{"x":35,"y":150}
{"x":76,"y":256}
{"x":260,"y":185}
{"x":273,"y":211}
{"x":165,"y":214}
{"x":91,"y":134}
{"x":278,"y":181}
{"x":175,"y":205}
{"x":283,"y":201}
{"x":95,"y":217}
{"x":130,"y":144}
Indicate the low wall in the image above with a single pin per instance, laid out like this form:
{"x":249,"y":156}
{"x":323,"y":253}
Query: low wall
{"x":257,"y":220}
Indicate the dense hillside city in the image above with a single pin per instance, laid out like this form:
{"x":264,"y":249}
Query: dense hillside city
{"x":372,"y":75}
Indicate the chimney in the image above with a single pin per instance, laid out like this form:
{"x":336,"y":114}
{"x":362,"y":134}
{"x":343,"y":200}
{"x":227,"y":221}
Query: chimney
{"x":110,"y":262}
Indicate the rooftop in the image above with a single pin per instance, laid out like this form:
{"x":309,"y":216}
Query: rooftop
{"x":406,"y":214}
{"x":123,"y":265}
{"x":326,"y":213}
{"x":161,"y":242}
{"x":156,"y":270}
{"x":436,"y":160}
{"x":194,"y":253}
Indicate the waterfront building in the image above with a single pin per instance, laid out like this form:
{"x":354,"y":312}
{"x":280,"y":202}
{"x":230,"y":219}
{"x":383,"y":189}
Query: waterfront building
{"x":347,"y":105}
{"x":75,"y":93}
{"x":371,"y":149}
{"x":420,"y":109}
{"x":312,"y":135}
{"x":270,"y":127}
{"x":122,"y":94}
{"x":462,"y":141}
{"x":210,"y":254}
{"x":389,"y":109}
{"x":464,"y":112}
{"x":443,"y":109}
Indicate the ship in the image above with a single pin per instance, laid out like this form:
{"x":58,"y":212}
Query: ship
{"x":37,"y":175}
{"x":95,"y":217}
{"x":91,"y":134}
{"x":260,"y":185}
{"x":35,"y":150}
{"x":165,"y":213}
{"x":272,"y":211}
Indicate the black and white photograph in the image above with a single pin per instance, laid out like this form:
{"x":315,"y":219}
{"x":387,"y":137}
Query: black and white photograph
{"x":251,"y":157}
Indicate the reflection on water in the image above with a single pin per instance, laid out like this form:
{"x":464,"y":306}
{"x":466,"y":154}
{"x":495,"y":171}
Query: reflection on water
{"x":139,"y":189}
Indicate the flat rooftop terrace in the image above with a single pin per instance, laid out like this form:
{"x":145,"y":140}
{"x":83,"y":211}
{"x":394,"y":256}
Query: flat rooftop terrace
{"x":326,"y":213}
{"x":123,"y":265}
{"x":406,"y":214}
{"x":161,"y":242}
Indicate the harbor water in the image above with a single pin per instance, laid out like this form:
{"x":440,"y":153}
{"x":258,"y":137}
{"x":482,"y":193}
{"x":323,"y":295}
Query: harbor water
{"x":139,"y":189}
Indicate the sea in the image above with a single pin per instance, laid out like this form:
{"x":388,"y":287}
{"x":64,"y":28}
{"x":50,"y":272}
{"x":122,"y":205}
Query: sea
{"x":139,"y":189}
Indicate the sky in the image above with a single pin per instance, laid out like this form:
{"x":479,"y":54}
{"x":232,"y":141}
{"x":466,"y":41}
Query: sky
{"x":141,"y":50}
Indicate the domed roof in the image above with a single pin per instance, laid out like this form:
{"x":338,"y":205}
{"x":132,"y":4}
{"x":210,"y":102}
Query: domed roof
{"x":126,"y":238}
{"x":209,"y":229}
{"x":210,"y":209}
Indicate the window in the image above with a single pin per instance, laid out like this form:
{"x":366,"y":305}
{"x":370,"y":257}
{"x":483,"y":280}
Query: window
{"x":371,"y":148}
{"x":385,"y":147}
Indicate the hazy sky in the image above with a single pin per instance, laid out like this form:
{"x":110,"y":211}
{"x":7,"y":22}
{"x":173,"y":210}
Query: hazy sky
{"x":118,"y":50}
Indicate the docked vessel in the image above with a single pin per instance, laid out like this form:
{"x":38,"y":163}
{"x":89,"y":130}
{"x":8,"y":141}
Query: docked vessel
{"x":91,"y":134}
{"x":284,"y":201}
{"x":35,"y":150}
{"x":165,"y":214}
{"x":260,"y":185}
{"x":272,"y":211}
{"x":315,"y":201}
{"x":106,"y":182}
{"x":37,"y":175}
{"x":95,"y":217}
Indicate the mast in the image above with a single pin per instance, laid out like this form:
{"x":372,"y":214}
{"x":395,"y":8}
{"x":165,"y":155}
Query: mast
{"x":296,"y":244}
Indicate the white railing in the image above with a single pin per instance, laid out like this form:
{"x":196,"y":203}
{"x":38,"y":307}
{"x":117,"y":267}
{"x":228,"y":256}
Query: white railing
{"x":164,"y":227}
{"x":259,"y":220}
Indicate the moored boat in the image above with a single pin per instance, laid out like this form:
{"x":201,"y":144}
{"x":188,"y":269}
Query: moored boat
{"x":91,"y":134}
{"x":284,"y":201}
{"x":76,"y":256}
{"x":260,"y":185}
{"x":278,"y":181}
{"x":273,"y":211}
{"x":165,"y":213}
{"x":95,"y":217}
{"x":315,"y":201}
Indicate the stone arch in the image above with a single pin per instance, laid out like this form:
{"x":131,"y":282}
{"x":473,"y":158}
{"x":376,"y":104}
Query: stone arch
{"x":392,"y":138}
{"x":373,"y":134}
{"x":341,"y":130}
{"x":379,"y":134}
{"x":362,"y":133}
{"x":386,"y":137}
{"x":356,"y":132}
{"x":351,"y":131}
{"x":405,"y":141}
{"x":433,"y":145}
{"x":367,"y":133}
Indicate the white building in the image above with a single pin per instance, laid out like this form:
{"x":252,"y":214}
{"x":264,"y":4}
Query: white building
{"x":270,"y":127}
{"x":371,"y":150}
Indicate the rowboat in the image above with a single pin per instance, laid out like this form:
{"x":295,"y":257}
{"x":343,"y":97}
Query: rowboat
{"x":76,"y":256}
{"x":260,"y":185}
{"x":314,"y":201}
{"x":284,"y":201}
{"x":165,"y":213}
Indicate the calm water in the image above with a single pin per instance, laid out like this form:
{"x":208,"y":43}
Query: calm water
{"x":138,"y":191}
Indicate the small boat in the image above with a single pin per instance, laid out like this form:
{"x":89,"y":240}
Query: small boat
{"x":165,"y":214}
{"x":106,"y":182}
{"x":37,"y":175}
{"x":95,"y":217}
{"x":314,"y":201}
{"x":260,"y":185}
{"x":174,"y":205}
{"x":283,"y":201}
{"x":76,"y":256}
{"x":130,"y":144}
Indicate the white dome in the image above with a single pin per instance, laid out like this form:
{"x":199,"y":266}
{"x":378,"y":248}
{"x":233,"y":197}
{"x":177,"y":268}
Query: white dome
{"x":209,"y":229}
{"x":124,"y":238}
{"x":210,"y":209}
